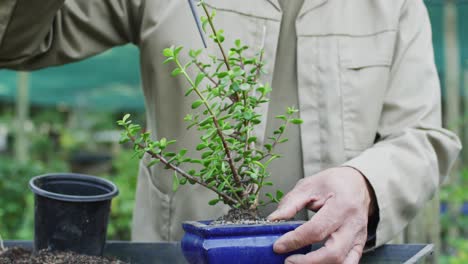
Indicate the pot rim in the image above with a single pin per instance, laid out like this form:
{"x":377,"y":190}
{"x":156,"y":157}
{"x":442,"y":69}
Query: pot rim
{"x":109,"y":186}
{"x":204,"y":229}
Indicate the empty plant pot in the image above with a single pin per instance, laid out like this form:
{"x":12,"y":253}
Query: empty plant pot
{"x":71,"y":212}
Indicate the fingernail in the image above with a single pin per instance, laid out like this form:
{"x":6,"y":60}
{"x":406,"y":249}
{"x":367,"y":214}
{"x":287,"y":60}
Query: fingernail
{"x":279,"y":247}
{"x":273,"y":216}
{"x":294,"y":259}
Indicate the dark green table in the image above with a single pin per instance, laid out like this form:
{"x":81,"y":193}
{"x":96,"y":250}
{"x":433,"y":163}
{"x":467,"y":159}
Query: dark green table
{"x":170,"y":253}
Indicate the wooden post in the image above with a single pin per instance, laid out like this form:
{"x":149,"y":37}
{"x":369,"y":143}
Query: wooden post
{"x":425,"y":228}
{"x":465,"y":115}
{"x":22,"y":113}
{"x":452,"y":87}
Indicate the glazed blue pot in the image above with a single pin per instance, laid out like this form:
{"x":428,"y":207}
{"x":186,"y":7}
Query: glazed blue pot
{"x":232,"y":244}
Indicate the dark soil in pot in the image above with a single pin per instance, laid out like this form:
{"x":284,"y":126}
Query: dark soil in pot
{"x":242,"y":217}
{"x":23,"y":256}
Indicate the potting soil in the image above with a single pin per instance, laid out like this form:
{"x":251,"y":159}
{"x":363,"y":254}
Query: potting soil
{"x":18,"y":255}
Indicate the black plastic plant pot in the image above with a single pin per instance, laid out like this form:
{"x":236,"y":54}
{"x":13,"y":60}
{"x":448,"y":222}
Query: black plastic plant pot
{"x":71,"y":212}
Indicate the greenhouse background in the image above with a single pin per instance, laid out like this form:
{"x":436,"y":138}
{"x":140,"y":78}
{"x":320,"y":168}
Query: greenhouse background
{"x":63,"y":119}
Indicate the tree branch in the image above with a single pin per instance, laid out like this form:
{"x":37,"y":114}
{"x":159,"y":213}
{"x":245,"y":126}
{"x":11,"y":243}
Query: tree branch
{"x":235,"y":174}
{"x":226,"y":61}
{"x":228,"y":200}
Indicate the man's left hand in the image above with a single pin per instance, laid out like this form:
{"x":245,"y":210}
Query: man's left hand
{"x":342,"y":199}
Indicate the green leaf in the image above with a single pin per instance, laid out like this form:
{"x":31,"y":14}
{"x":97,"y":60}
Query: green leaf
{"x":169,"y":155}
{"x":279,"y":195}
{"x":204,"y":21}
{"x":206,"y":154}
{"x":177,"y":50}
{"x":201,"y":146}
{"x":252,"y":139}
{"x":188,"y":117}
{"x":153,"y":162}
{"x":197,"y":104}
{"x":175,"y":182}
{"x":271,"y":159}
{"x":176,"y":72}
{"x":282,"y":117}
{"x":291,"y":110}
{"x":168,"y":60}
{"x":182,"y":152}
{"x":163,"y":143}
{"x":213,"y":202}
{"x":237,"y":42}
{"x":222,"y":75}
{"x":221,"y":186}
{"x":189,"y":91}
{"x":259,"y":164}
{"x":283,"y":140}
{"x":228,"y":132}
{"x":244,"y":87}
{"x":199,"y":79}
{"x":297,"y":121}
{"x":183,"y":181}
{"x":206,"y":121}
{"x":124,"y":140}
{"x":235,"y":87}
{"x":269,"y":195}
{"x":168,"y":52}
{"x":125,"y":118}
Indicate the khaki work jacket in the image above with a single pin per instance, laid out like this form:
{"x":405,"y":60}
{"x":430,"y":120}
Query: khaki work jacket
{"x":368,"y":89}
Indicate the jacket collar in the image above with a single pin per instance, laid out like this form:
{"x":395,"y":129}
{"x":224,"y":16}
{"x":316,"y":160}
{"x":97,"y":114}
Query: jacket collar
{"x":310,"y":5}
{"x":275,"y":3}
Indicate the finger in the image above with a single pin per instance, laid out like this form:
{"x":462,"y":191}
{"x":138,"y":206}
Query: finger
{"x":295,"y":200}
{"x":291,"y":204}
{"x":326,"y":221}
{"x":354,"y":255}
{"x":319,"y":203}
{"x":344,"y":245}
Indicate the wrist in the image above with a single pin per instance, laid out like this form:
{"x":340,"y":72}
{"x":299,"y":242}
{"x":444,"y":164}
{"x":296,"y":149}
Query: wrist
{"x":372,"y":200}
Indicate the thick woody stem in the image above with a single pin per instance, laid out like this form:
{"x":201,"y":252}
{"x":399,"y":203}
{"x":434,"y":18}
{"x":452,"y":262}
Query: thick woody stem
{"x":227,"y":151}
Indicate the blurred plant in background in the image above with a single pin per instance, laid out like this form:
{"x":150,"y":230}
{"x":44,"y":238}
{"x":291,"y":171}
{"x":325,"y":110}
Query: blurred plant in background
{"x":454,"y":223}
{"x":60,"y":141}
{"x":124,"y":175}
{"x":14,"y":178}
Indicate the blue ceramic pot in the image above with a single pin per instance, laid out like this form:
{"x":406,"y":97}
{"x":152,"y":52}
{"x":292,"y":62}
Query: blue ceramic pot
{"x":230,"y":244}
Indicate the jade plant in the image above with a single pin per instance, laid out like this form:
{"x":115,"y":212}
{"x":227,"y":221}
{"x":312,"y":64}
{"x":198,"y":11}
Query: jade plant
{"x":229,"y":93}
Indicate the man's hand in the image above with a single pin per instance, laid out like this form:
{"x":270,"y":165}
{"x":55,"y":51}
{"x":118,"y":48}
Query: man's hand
{"x":342,"y":199}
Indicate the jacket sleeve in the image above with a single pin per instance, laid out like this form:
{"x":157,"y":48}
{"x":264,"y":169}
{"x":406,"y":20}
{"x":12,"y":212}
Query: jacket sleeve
{"x":414,"y":153}
{"x":40,"y":33}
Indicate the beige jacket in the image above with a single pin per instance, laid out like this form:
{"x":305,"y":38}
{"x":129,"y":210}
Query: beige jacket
{"x":369,"y":91}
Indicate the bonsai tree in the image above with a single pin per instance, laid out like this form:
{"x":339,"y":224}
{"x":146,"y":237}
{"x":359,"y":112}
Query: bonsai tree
{"x":229,"y":93}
